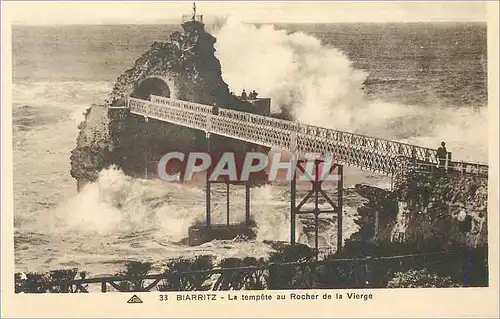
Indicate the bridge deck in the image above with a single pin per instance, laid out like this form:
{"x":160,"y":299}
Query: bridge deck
{"x":365,"y":152}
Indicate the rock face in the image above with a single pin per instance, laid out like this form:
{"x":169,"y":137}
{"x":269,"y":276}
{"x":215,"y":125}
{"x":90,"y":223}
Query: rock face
{"x":439,"y":210}
{"x":183,"y":68}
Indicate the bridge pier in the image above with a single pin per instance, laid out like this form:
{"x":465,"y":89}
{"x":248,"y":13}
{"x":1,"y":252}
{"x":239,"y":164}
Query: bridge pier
{"x":316,"y":192}
{"x":293,"y":207}
{"x":200,"y":234}
{"x":207,"y":189}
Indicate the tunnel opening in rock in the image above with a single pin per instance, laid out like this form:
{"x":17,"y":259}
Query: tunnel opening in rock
{"x":151,"y":86}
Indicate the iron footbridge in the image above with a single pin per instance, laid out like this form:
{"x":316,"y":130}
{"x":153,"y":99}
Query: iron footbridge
{"x":365,"y":152}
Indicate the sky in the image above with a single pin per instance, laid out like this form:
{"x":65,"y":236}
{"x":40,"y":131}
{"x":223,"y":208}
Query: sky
{"x":50,"y":13}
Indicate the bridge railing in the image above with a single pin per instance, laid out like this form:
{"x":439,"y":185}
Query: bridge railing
{"x":202,"y":108}
{"x":352,"y":139}
{"x":353,"y":149}
{"x":463,"y":168}
{"x":260,"y":130}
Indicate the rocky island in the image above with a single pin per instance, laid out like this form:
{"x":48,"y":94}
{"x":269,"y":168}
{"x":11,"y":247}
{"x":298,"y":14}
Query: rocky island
{"x":184,"y":68}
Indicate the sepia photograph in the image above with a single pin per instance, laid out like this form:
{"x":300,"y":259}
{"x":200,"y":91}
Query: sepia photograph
{"x":296,"y":150}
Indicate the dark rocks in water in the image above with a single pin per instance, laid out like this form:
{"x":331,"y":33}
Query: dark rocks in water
{"x":325,"y":223}
{"x":183,"y":68}
{"x":200,"y":234}
{"x":276,"y":244}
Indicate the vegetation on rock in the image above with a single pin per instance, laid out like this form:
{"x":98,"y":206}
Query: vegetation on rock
{"x":194,"y":281}
{"x":134,"y":269}
{"x":420,"y":279}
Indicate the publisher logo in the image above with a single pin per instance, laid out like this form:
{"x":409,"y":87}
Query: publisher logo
{"x":134,"y":299}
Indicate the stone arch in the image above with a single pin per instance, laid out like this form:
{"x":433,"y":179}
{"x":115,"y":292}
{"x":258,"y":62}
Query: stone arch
{"x":153,"y":86}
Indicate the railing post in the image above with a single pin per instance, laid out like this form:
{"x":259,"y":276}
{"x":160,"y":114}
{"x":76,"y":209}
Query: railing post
{"x":103,"y":286}
{"x":293,"y":142}
{"x":247,"y":203}
{"x":414,"y":156}
{"x":293,"y":207}
{"x":316,"y":186}
{"x":293,"y":186}
{"x":340,"y":191}
{"x":227,"y":203}
{"x":208,"y":128}
{"x":447,"y":163}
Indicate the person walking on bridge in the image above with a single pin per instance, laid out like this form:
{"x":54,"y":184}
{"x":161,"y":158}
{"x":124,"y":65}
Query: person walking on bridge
{"x":442,"y":154}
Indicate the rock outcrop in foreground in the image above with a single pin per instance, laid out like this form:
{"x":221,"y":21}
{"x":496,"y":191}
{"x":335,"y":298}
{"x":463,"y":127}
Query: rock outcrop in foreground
{"x":183,"y":68}
{"x":439,"y":210}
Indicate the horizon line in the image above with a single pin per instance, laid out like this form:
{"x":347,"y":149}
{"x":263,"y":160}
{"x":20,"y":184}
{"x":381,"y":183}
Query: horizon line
{"x":251,"y":22}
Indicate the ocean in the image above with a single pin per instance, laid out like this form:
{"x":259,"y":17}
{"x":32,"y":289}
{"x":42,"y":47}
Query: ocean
{"x":417,"y":83}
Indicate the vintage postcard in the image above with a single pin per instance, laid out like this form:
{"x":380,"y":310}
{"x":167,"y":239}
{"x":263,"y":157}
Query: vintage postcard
{"x":250,"y":159}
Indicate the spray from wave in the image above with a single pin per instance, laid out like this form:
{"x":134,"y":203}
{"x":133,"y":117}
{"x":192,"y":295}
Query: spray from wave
{"x":294,"y":69}
{"x":120,"y":205}
{"x":318,"y":85}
